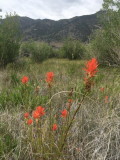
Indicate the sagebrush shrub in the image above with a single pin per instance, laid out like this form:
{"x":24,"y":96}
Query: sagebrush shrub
{"x":25,"y":48}
{"x":40,"y":51}
{"x":73,"y":49}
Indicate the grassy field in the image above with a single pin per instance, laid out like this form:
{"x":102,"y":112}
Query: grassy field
{"x":93,"y":133}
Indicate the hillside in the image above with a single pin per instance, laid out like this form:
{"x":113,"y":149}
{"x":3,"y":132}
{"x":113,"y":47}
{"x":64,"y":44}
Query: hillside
{"x":79,"y":27}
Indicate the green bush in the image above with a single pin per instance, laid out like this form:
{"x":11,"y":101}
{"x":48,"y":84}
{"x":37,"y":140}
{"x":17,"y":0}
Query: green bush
{"x":73,"y":49}
{"x":54,"y":54}
{"x":103,"y":49}
{"x":89,"y":54}
{"x":40,"y":51}
{"x":26,"y":48}
{"x":9,"y":39}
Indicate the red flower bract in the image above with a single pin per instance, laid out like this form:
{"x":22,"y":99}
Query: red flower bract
{"x":49,"y":77}
{"x":102,"y":89}
{"x":35,"y":114}
{"x":29,"y":121}
{"x":26,"y":115}
{"x":54,"y":127}
{"x":40,"y":110}
{"x":106,"y":99}
{"x":25,"y":79}
{"x":91,"y":67}
{"x":64,"y":113}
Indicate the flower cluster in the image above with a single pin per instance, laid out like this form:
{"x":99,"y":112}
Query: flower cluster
{"x":64,"y":113}
{"x":36,"y":114}
{"x":49,"y":78}
{"x":91,"y":69}
{"x":102,"y":89}
{"x":54,"y":127}
{"x":39,"y":112}
{"x":26,"y":115}
{"x":29,"y":121}
{"x":106,"y":99}
{"x":25,"y":80}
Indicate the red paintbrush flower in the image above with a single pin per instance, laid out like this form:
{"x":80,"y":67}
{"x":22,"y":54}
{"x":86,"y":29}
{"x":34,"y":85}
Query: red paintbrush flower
{"x":49,"y":77}
{"x":26,"y":115}
{"x":106,"y":99}
{"x":29,"y":121}
{"x":64,"y":113}
{"x":102,"y":89}
{"x":54,"y":127}
{"x":25,"y":79}
{"x":40,"y":110}
{"x":91,"y":67}
{"x":36,"y":114}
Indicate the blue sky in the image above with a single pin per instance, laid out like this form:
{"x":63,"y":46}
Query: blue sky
{"x":50,"y":9}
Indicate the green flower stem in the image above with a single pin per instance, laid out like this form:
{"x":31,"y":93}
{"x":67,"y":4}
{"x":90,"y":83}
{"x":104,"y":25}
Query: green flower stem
{"x":70,"y":124}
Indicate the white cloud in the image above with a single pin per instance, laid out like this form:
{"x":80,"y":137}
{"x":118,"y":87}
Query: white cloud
{"x":51,"y":9}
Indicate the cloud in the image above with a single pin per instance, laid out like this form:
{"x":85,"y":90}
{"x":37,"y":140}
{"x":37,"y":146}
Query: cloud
{"x":50,"y":9}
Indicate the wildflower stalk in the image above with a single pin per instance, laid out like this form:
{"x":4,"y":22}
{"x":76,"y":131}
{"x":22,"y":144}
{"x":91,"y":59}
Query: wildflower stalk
{"x":71,"y":122}
{"x":50,"y":106}
{"x":49,"y":80}
{"x":50,"y":94}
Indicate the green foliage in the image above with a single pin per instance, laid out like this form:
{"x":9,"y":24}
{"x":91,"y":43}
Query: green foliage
{"x":40,"y":51}
{"x":26,"y":47}
{"x":54,"y":53}
{"x":89,"y":51}
{"x":73,"y":49}
{"x":106,"y":41}
{"x":22,"y":95}
{"x":9,"y":39}
{"x":103,"y":50}
{"x":7,"y":141}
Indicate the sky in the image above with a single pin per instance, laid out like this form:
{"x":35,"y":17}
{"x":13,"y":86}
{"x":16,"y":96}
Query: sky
{"x":50,"y":9}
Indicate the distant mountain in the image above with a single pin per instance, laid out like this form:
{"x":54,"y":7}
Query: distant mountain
{"x":79,"y":27}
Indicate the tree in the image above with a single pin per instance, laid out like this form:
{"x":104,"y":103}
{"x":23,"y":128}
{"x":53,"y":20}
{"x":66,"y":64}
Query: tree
{"x":107,"y":40}
{"x":9,"y":39}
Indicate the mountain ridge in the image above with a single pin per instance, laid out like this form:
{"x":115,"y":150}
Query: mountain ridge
{"x":79,"y":27}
